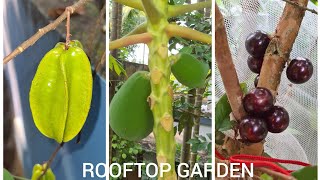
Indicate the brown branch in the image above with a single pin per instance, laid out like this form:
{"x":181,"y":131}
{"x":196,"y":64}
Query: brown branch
{"x":130,"y":40}
{"x":280,"y":46}
{"x":50,"y":160}
{"x":301,"y":7}
{"x":226,"y":67}
{"x":43,"y":31}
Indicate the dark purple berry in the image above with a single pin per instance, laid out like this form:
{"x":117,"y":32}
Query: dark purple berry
{"x":256,"y":80}
{"x":255,"y":64}
{"x":253,"y":129}
{"x":277,"y":119}
{"x":258,"y":101}
{"x":257,"y":43}
{"x":299,"y":70}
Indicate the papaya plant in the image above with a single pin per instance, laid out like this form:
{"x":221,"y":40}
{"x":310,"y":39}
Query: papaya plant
{"x":156,"y":32}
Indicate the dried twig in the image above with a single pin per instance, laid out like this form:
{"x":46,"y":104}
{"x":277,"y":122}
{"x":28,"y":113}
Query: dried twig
{"x":301,"y":7}
{"x":43,"y":31}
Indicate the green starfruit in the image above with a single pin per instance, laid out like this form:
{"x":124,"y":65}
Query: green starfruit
{"x":61,"y":91}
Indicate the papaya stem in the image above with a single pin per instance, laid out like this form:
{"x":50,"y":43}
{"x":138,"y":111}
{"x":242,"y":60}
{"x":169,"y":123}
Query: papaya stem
{"x":131,"y":3}
{"x":142,"y":28}
{"x":130,"y":40}
{"x":51,"y":159}
{"x":151,"y":11}
{"x":175,"y":10}
{"x":188,"y":33}
{"x":161,"y":91}
{"x":29,"y":42}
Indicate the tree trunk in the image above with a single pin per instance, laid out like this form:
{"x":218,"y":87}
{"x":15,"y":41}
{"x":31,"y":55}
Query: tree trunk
{"x":196,"y":126}
{"x":207,"y":12}
{"x":185,"y":150}
{"x":116,"y":21}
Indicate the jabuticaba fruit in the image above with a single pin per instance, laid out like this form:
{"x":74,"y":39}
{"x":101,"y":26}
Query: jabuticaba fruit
{"x":130,"y":114}
{"x":61,"y":91}
{"x":189,"y":71}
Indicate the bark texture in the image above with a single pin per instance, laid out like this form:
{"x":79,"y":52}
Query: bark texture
{"x":280,"y":46}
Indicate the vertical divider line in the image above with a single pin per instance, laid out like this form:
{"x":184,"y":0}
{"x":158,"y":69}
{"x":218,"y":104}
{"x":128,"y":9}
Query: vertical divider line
{"x":107,"y":90}
{"x":213,"y":87}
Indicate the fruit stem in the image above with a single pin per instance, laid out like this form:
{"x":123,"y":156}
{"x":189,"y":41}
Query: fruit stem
{"x":161,"y":96}
{"x":51,"y":159}
{"x":67,"y":29}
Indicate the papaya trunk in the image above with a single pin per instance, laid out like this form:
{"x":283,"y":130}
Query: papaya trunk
{"x":185,"y":150}
{"x":160,"y":99}
{"x":196,"y":127}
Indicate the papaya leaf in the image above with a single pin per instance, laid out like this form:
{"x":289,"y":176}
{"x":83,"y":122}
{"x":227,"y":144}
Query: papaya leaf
{"x":223,"y":110}
{"x":309,"y":172}
{"x":7,"y":175}
{"x":115,"y":66}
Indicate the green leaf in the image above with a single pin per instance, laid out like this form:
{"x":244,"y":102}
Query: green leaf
{"x":202,"y":138}
{"x":115,"y":66}
{"x":186,"y":50}
{"x":7,"y":175}
{"x":223,"y":110}
{"x":124,"y":156}
{"x":309,"y":173}
{"x":193,"y":141}
{"x":266,"y":177}
{"x":135,"y":151}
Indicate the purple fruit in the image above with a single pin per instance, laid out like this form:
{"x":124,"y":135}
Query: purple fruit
{"x":299,"y":70}
{"x":255,"y":64}
{"x":258,"y":101}
{"x":277,"y":119}
{"x":253,"y":129}
{"x":257,"y":43}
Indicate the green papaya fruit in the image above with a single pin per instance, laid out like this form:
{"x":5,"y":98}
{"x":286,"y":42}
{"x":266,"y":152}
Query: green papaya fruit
{"x":189,"y":71}
{"x":61,"y":91}
{"x":130,"y":114}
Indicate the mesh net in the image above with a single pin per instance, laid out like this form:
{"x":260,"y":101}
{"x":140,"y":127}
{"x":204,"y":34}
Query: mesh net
{"x":299,"y":141}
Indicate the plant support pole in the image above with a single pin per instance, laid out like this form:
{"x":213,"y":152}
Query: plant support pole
{"x":161,"y":96}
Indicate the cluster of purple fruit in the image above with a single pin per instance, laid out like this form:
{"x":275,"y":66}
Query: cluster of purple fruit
{"x":298,"y":71}
{"x":263,"y":116}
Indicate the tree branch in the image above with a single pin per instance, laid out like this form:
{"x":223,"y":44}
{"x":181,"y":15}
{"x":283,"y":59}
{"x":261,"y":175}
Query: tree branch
{"x":226,"y":67}
{"x":175,"y":10}
{"x":188,"y":33}
{"x":280,"y":46}
{"x":131,"y":3}
{"x":301,"y":7}
{"x":130,"y":40}
{"x":43,"y":31}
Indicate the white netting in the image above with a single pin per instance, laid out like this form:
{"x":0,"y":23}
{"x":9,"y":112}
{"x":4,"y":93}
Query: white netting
{"x":299,"y":141}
